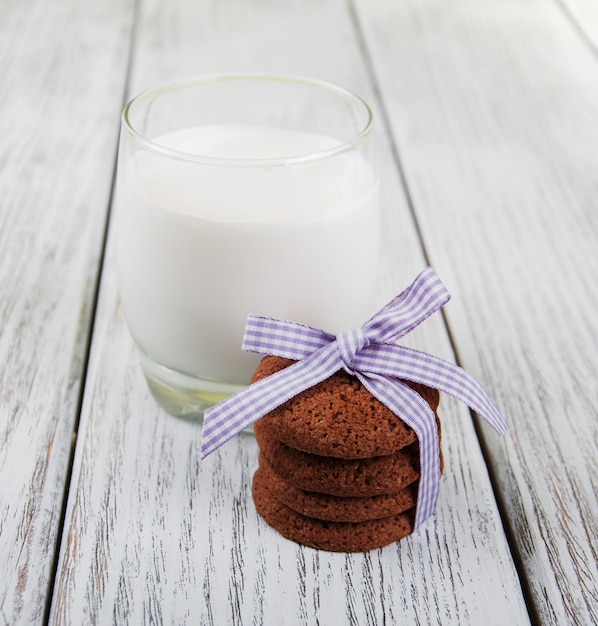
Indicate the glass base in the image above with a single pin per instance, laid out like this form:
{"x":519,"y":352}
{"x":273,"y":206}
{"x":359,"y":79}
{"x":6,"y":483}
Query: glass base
{"x":181,"y":395}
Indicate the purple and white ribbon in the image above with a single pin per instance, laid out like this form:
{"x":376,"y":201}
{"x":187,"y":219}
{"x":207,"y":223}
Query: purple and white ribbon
{"x":371,"y":354}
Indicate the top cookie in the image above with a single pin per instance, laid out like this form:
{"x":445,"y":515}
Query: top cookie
{"x":339,"y":417}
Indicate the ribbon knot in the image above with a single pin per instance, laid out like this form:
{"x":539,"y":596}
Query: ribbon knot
{"x":372,"y":355}
{"x":349,"y":344}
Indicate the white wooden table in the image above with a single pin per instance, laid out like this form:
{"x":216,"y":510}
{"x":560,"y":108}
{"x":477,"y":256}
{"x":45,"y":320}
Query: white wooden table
{"x":488,"y":120}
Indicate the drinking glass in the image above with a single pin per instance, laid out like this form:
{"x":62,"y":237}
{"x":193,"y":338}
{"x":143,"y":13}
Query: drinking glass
{"x":241,"y":194}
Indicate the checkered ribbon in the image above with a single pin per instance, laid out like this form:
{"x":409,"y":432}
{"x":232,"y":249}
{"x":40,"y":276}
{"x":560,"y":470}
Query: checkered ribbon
{"x":371,"y":354}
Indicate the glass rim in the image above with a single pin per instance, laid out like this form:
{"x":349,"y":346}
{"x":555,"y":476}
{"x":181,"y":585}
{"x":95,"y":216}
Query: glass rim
{"x":316,"y":155}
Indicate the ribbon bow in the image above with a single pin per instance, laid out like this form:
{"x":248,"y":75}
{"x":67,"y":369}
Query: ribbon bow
{"x":369,"y":353}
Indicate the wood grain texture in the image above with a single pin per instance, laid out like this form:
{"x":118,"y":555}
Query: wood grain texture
{"x":58,"y":140}
{"x":155,"y":535}
{"x":493,"y":107}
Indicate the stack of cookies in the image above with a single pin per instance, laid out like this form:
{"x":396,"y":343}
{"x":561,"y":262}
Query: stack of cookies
{"x":337,"y":469}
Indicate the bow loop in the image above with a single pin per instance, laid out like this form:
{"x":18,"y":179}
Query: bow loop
{"x":349,"y":344}
{"x":409,"y":309}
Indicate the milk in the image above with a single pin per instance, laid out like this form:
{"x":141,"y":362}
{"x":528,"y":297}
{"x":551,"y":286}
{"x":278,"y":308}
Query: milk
{"x":202,"y":245}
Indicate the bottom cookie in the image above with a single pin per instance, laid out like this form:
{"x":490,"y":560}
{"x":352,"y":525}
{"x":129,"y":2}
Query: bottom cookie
{"x":325,"y":535}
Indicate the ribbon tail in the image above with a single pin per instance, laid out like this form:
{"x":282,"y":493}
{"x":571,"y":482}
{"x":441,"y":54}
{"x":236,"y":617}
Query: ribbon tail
{"x":421,"y":367}
{"x":416,"y":413}
{"x":229,"y":417}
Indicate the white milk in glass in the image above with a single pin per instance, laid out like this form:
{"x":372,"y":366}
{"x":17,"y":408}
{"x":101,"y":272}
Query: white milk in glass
{"x":203,"y":245}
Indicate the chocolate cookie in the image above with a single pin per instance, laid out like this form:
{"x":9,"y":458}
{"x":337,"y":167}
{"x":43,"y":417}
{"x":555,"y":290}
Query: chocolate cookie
{"x":325,"y":535}
{"x":339,"y":417}
{"x":333,"y":508}
{"x":353,"y":477}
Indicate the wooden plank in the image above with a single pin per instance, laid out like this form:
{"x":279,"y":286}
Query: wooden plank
{"x":153,"y":533}
{"x":493,"y":107}
{"x":59,"y":100}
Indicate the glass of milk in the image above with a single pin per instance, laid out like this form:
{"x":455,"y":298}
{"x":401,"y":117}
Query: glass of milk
{"x":236,"y":195}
